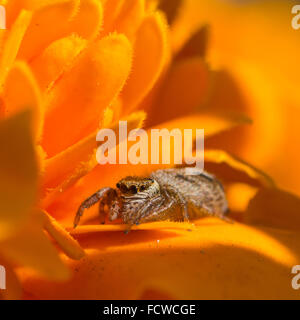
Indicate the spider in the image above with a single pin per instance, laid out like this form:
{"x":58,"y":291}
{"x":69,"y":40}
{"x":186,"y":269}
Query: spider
{"x":180,"y":194}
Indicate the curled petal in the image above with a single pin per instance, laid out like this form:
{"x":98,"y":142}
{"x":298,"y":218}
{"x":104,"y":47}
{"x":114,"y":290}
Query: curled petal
{"x":57,"y":59}
{"x":129,"y":18}
{"x":87,"y":23}
{"x":123,"y":16}
{"x":231,"y":168}
{"x":39,"y":35}
{"x":65,"y":169}
{"x":65,"y":163}
{"x":91,"y":85}
{"x":150,"y":56}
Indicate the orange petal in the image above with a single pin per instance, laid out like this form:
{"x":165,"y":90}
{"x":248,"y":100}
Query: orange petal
{"x":171,"y":8}
{"x":274,"y":208}
{"x":111,"y":9}
{"x":110,"y":271}
{"x":185,"y":22}
{"x":238,"y":197}
{"x":12,"y":44}
{"x":39,"y":35}
{"x":57,"y":59}
{"x":211,"y":123}
{"x":196,"y":46}
{"x":184,"y":90}
{"x":69,"y":245}
{"x":31,"y":248}
{"x":231,"y":168}
{"x":66,"y":168}
{"x":129,"y":18}
{"x":88,"y":21}
{"x":91,"y":85}
{"x":21,"y":91}
{"x":18,"y":171}
{"x":123,"y":16}
{"x":150,"y":55}
{"x":14,"y":7}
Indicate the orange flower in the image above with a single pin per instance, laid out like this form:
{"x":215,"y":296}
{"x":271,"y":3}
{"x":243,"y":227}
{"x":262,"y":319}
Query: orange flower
{"x":106,"y":60}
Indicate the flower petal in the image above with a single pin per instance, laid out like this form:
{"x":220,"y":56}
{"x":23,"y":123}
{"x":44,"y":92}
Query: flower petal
{"x":57,"y":59}
{"x":150,"y":56}
{"x":123,"y":16}
{"x":39,"y":35}
{"x":64,"y":170}
{"x":92,"y":84}
{"x":274,"y":208}
{"x":129,"y":18}
{"x":69,"y":245}
{"x":196,"y":46}
{"x":88,"y":21}
{"x":171,"y":8}
{"x":184,"y":91}
{"x":20,"y":80}
{"x":64,"y":164}
{"x":12,"y":44}
{"x":233,"y":169}
{"x":18,"y":171}
{"x":185,"y":22}
{"x":31,"y":248}
{"x":171,"y":265}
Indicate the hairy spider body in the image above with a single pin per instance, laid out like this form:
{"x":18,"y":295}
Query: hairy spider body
{"x":172,"y":194}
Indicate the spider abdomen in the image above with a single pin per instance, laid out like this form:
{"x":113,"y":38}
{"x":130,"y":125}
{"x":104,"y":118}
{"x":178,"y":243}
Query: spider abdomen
{"x":203,"y":193}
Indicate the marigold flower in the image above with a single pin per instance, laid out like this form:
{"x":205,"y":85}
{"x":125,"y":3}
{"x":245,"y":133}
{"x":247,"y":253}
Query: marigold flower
{"x":71,"y":67}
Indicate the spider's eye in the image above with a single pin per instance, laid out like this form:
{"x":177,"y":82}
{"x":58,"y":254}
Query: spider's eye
{"x":123,"y":188}
{"x":142,"y":188}
{"x":133,"y":189}
{"x":118,"y":185}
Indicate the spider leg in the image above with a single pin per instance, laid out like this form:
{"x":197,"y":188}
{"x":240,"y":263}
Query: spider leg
{"x":226,"y":219}
{"x":204,"y":210}
{"x":151,"y":205}
{"x":106,"y":199}
{"x":158,"y":205}
{"x":168,"y":206}
{"x":101,"y":212}
{"x":100,"y":195}
{"x":179,"y":199}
